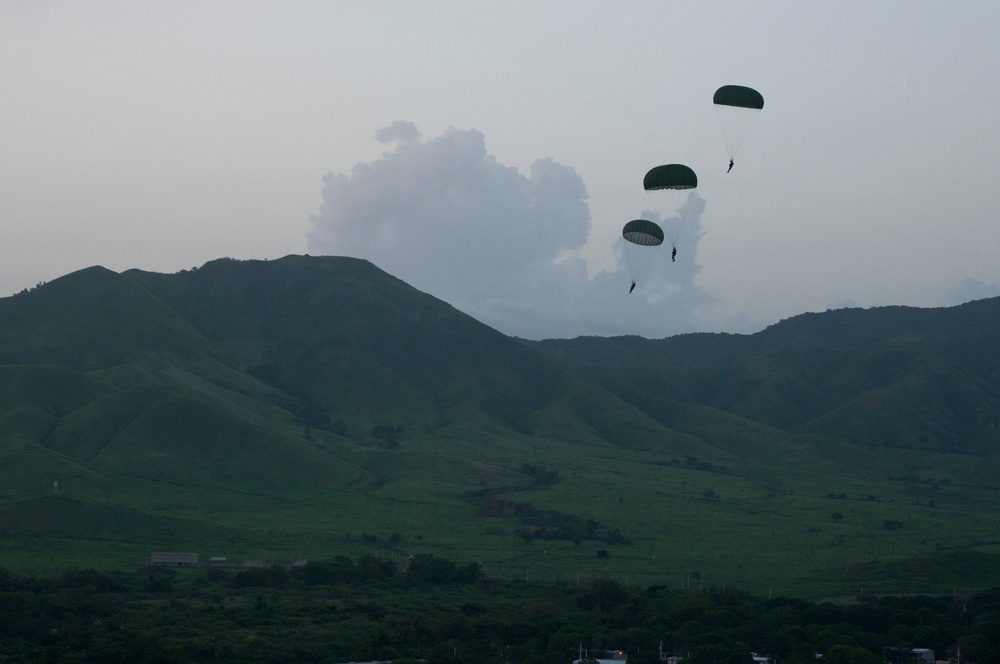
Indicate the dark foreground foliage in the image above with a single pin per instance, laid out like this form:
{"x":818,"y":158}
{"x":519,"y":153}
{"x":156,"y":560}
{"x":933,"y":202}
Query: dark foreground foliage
{"x":431,"y":609}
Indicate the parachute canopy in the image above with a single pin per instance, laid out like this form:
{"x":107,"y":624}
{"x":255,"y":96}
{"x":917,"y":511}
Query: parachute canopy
{"x":670,"y":176}
{"x":641,"y":236}
{"x":738,"y":95}
{"x":661,"y":184}
{"x":643,"y":232}
{"x":737,"y":107}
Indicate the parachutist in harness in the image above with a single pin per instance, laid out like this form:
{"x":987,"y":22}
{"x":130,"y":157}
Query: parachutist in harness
{"x":632,"y":288}
{"x":737,"y":107}
{"x":673,"y":255}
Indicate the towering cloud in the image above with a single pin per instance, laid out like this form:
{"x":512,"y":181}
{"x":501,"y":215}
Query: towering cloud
{"x":447,"y":218}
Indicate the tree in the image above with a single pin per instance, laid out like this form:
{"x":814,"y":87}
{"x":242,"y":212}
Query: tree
{"x":727,"y":652}
{"x":845,"y":654}
{"x":604,"y":594}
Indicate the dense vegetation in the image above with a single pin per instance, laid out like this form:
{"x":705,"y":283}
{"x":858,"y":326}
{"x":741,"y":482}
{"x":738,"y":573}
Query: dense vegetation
{"x":314,"y":407}
{"x":362,"y":609}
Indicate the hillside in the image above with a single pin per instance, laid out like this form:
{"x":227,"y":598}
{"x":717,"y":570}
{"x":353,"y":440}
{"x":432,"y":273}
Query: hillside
{"x":312,"y":406}
{"x":881,"y":378}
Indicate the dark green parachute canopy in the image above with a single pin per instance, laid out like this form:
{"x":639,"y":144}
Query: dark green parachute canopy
{"x":738,"y":95}
{"x":670,"y":176}
{"x":643,"y":232}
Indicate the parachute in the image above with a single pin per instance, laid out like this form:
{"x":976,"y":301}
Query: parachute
{"x":662,"y":184}
{"x":641,"y":236}
{"x":738,"y":107}
{"x":643,"y":233}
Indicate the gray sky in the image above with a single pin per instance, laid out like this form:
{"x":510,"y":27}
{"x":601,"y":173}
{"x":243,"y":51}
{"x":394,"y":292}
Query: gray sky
{"x":489,"y":153}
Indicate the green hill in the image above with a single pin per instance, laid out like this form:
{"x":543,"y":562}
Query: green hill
{"x":313,"y":406}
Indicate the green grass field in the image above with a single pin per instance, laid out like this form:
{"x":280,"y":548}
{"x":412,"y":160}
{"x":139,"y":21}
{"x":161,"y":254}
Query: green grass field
{"x":747,"y":525}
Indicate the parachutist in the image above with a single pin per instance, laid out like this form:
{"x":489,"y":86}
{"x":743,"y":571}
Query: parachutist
{"x":640,"y":235}
{"x":738,"y":107}
{"x":673,"y":255}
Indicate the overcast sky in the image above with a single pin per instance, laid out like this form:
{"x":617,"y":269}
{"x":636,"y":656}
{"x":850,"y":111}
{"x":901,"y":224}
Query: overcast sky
{"x":490,"y":153}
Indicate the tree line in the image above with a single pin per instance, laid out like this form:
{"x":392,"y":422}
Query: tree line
{"x":432,"y":609}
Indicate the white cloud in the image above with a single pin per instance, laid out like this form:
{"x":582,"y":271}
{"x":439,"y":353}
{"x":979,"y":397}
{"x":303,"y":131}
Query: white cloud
{"x":399,"y":131}
{"x":446,"y":217}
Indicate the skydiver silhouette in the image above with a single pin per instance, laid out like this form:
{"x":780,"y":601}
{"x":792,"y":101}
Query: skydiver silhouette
{"x":632,"y":288}
{"x":730,"y":166}
{"x":673,"y":255}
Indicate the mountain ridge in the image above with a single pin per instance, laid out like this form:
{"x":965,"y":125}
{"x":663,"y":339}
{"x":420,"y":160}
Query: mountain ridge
{"x":288,"y":400}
